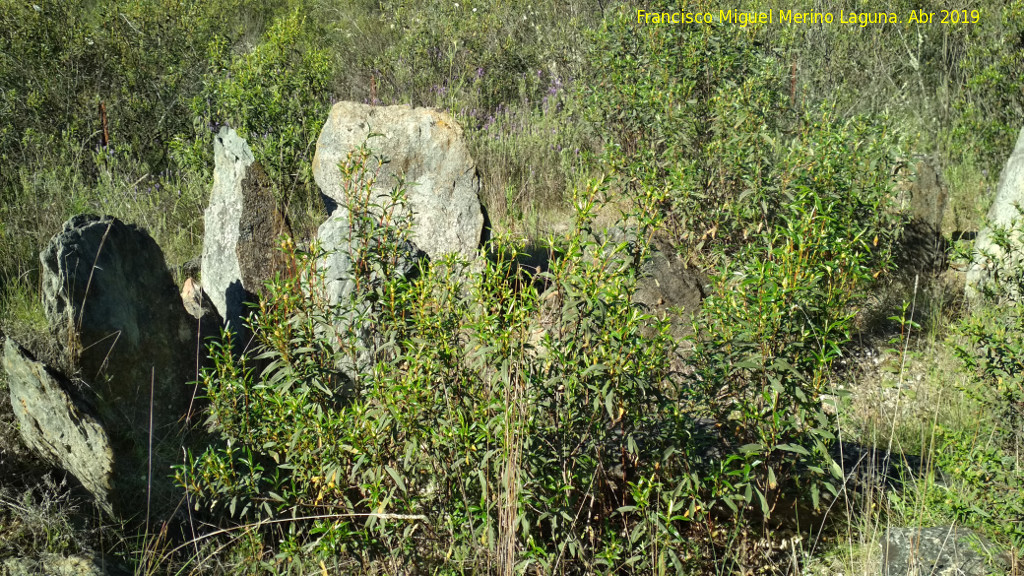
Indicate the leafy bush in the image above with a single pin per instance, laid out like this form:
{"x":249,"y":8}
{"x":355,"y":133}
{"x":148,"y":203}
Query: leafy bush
{"x":523,"y":426}
{"x":692,"y":109}
{"x":275,"y":96}
{"x":792,"y":205}
{"x":699,"y":113}
{"x":985,"y":485}
{"x":134,"y":58}
{"x":993,"y":352}
{"x":992,"y":102}
{"x":780,"y":315}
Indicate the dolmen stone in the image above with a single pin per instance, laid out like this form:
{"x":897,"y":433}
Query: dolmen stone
{"x":992,"y":268}
{"x":420,"y":147}
{"x":119,"y":323}
{"x":243,"y":224}
{"x":58,"y":423}
{"x":665,"y":286}
{"x":923,"y":247}
{"x":423,"y":147}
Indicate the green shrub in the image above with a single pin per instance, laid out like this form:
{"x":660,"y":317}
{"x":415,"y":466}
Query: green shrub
{"x":781,"y":313}
{"x":690,"y":109}
{"x":794,"y":206}
{"x":984,"y":486}
{"x":275,"y":96}
{"x":492,"y":424}
{"x":699,"y":114}
{"x":992,"y":103}
{"x":993,"y":352}
{"x":142,"y":60}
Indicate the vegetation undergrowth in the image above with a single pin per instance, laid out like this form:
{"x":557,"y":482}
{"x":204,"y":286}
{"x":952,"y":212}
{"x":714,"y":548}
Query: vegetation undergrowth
{"x":448,"y":418}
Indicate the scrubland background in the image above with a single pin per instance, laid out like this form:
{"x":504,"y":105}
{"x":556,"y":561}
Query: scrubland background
{"x":771,"y":158}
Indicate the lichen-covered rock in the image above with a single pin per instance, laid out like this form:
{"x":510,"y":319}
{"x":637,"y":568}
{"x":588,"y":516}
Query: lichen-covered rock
{"x":351,"y":309}
{"x":1004,"y":214}
{"x":664,"y":286}
{"x":423,"y":146}
{"x":49,"y":564}
{"x":338,"y":244}
{"x":923,"y":248}
{"x":57,"y":423}
{"x":115,"y":310}
{"x":940,"y":551}
{"x":243,"y":223}
{"x":118,"y":319}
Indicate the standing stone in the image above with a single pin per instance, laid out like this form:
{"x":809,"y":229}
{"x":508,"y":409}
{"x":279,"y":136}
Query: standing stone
{"x":664,"y":285}
{"x":349,"y":307}
{"x":923,"y":248}
{"x":114,"y":308}
{"x":118,"y":320}
{"x":423,"y":146}
{"x":985,"y":274}
{"x":340,"y":246}
{"x":243,"y":224}
{"x":58,"y":424}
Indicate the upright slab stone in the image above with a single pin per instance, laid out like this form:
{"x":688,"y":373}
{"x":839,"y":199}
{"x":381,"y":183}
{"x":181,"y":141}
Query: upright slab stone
{"x":922,"y":249}
{"x":242,"y":225}
{"x":991,"y":262}
{"x":116,"y":314}
{"x":423,"y":146}
{"x":664,"y":285}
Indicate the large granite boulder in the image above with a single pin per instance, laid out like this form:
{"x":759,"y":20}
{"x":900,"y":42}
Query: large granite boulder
{"x":392,"y":255}
{"x":993,"y":268}
{"x":341,"y":246}
{"x":243,"y":223}
{"x":120,"y":325}
{"x":426,"y":148}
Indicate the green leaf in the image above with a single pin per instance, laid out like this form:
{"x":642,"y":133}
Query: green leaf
{"x":793,"y":448}
{"x":751,"y":448}
{"x":764,"y":502}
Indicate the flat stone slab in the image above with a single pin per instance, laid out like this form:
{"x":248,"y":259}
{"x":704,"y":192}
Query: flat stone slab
{"x":56,"y":424}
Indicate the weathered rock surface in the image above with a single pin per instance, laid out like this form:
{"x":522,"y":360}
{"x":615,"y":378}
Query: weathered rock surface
{"x":54,"y":565}
{"x":199,"y":306}
{"x":118,"y":318}
{"x":942,"y":551}
{"x":340,"y":245}
{"x":923,"y":247}
{"x":665,"y":285}
{"x":242,"y":225}
{"x":338,"y":242}
{"x":57,"y":423}
{"x":113,"y":306}
{"x":427,"y":149}
{"x":983,"y":274}
{"x":197,"y":303}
